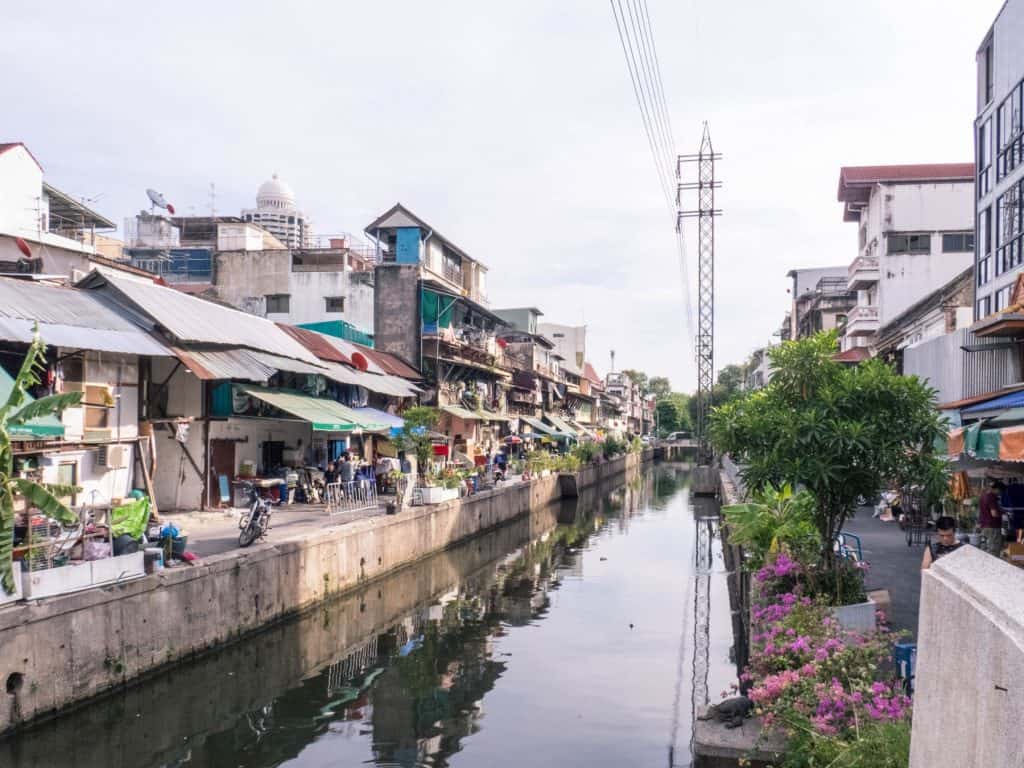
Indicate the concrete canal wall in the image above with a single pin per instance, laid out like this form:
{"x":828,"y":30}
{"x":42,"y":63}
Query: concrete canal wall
{"x":65,"y":650}
{"x":969,"y":681}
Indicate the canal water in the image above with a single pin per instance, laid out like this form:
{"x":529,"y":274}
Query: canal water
{"x":576,"y":636}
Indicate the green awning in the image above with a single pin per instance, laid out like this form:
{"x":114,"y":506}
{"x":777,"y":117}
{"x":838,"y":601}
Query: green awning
{"x":39,"y":427}
{"x":560,"y":425}
{"x":436,"y":309}
{"x":539,"y":426}
{"x":324,"y":415}
{"x":464,"y":413}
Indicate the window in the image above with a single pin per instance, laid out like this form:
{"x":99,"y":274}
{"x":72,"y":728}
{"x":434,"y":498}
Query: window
{"x":983,"y":307}
{"x":1008,"y":230}
{"x":910,"y":244}
{"x":1002,"y":298}
{"x":983,"y":270}
{"x":277,"y":303}
{"x":984,"y":157}
{"x":985,"y":74}
{"x":957,"y":242}
{"x":334,"y":303}
{"x":67,"y":474}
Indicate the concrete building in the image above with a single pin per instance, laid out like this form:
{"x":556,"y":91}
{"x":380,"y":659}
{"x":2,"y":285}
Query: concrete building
{"x":42,"y":230}
{"x":277,"y":213}
{"x":759,"y":369}
{"x":430,"y":310}
{"x":915,"y":234}
{"x":999,"y":152}
{"x":569,"y":340}
{"x":821,"y":301}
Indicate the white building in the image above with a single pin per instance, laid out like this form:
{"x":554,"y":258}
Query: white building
{"x":276,"y":212}
{"x":51,"y":225}
{"x":570,"y":341}
{"x":915,"y":235}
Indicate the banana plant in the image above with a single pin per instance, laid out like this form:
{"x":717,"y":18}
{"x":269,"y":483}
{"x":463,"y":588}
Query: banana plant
{"x":19,"y":409}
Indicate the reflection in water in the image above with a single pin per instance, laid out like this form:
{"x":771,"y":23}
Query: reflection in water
{"x":553,"y":640}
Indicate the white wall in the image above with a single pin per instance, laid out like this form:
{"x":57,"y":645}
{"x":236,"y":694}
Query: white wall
{"x":968,"y":702}
{"x":175,"y":483}
{"x":244,"y":278}
{"x":21,"y":187}
{"x":918,"y":208}
{"x":572,"y":344}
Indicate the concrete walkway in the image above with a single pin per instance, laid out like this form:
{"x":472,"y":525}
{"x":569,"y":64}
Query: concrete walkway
{"x":894,"y":566}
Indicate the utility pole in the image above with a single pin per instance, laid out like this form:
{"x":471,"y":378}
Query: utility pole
{"x":705,"y":213}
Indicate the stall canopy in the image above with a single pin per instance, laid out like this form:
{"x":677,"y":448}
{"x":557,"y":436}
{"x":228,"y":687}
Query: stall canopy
{"x":993,"y":444}
{"x":995,"y":405}
{"x":463,"y":413}
{"x":324,"y":415}
{"x":539,"y":426}
{"x":34,"y":429}
{"x":560,"y":425}
{"x":389,"y":420}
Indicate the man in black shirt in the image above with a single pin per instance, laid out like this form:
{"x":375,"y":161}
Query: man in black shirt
{"x":945,"y":533}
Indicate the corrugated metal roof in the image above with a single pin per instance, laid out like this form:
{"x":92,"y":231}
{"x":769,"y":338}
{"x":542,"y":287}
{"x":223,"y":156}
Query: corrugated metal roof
{"x":70,"y":318}
{"x":349,"y":349}
{"x":195,"y":321}
{"x":391,"y":363}
{"x":381,"y":384}
{"x":240,"y":364}
{"x":317,"y":343}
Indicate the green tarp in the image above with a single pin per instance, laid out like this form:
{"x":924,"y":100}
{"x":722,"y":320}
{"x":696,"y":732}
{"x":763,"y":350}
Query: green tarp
{"x":437,"y":308}
{"x":37,"y":428}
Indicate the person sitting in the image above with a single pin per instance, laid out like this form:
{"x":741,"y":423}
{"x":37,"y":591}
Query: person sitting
{"x":945,"y":529}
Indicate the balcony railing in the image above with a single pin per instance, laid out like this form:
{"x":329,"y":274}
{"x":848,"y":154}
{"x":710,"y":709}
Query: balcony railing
{"x":862,"y":321}
{"x":862,"y":273}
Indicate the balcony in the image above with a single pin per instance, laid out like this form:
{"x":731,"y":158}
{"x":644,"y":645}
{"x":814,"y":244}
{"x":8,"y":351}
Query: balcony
{"x":863,"y":273}
{"x":862,"y":321}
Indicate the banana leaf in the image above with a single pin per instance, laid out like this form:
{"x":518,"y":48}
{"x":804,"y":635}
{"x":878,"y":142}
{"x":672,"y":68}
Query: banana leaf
{"x":47,"y":503}
{"x":44,"y":406}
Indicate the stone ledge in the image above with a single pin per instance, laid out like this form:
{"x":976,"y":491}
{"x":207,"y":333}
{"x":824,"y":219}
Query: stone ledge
{"x":713,"y":739}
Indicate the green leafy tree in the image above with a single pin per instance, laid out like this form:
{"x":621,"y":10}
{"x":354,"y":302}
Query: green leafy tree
{"x":19,"y":409}
{"x":775,"y":521}
{"x":674,"y":413}
{"x":639,"y":379}
{"x":660,"y":387}
{"x":840,"y":432}
{"x":415,"y":436}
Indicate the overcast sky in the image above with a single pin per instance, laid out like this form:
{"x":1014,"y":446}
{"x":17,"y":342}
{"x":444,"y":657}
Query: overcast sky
{"x":510,"y":127}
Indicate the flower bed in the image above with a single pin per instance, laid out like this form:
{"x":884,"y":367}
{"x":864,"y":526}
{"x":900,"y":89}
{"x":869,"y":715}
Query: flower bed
{"x":825,"y":687}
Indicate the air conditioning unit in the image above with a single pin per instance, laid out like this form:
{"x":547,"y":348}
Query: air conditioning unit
{"x":112,"y":456}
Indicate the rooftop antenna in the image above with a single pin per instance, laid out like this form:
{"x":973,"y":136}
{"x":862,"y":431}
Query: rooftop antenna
{"x":613,"y":361}
{"x":213,"y":200}
{"x":158,"y":201}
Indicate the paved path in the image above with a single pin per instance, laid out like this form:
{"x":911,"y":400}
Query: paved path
{"x":211,"y":533}
{"x":894,"y":566}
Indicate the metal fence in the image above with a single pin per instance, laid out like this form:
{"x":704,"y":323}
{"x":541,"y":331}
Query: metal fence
{"x":956,"y":373}
{"x":353,"y":496}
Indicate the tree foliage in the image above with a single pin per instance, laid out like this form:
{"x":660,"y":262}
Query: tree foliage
{"x":840,"y":432}
{"x":639,"y":379}
{"x":415,"y":436}
{"x":660,"y":387}
{"x":19,"y":409}
{"x":674,"y":413}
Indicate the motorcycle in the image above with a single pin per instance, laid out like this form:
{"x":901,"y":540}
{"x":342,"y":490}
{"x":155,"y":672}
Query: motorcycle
{"x":256,"y":521}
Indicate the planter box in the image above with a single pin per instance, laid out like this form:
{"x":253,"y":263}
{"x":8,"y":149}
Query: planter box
{"x":18,"y":587}
{"x":112,"y":569}
{"x":436,"y":494}
{"x":72,"y":578}
{"x":57,"y":581}
{"x":858,"y":617}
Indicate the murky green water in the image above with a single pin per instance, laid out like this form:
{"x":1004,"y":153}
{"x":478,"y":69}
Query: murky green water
{"x":563,"y":639}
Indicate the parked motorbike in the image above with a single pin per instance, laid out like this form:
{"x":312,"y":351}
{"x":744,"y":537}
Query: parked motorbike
{"x":256,"y":521}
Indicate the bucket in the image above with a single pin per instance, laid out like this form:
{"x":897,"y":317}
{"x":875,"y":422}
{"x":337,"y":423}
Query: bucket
{"x":154,"y":559}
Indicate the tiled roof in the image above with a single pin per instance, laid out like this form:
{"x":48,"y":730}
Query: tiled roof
{"x":852,"y":355}
{"x":591,"y":374}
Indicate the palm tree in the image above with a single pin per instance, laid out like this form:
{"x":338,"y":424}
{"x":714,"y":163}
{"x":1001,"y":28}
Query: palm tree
{"x":19,"y":409}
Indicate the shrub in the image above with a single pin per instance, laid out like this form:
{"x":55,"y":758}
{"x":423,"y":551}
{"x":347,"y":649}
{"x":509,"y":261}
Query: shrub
{"x":567,"y":463}
{"x":612,"y":447}
{"x":587,"y":452}
{"x":775,"y":521}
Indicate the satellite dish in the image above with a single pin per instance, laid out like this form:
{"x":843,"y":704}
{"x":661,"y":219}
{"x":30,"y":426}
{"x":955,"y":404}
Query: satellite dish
{"x":156,"y":198}
{"x":23,"y":247}
{"x":359,"y":361}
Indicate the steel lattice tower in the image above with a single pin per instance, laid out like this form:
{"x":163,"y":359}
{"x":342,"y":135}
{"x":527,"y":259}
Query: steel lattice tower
{"x":705,"y":215}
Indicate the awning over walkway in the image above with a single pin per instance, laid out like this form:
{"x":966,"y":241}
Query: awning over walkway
{"x":389,"y":420}
{"x":38,"y":428}
{"x":999,"y":444}
{"x":539,"y":426}
{"x":324,"y":415}
{"x":467,"y":415}
{"x":560,"y":425}
{"x":1000,"y":403}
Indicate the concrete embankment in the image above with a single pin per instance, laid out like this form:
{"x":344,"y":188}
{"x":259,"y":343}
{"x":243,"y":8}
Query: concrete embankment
{"x":62,"y":651}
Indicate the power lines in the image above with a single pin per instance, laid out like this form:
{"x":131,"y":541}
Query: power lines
{"x":636,"y":35}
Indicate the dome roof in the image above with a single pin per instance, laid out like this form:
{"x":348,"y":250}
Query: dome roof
{"x":275,"y":194}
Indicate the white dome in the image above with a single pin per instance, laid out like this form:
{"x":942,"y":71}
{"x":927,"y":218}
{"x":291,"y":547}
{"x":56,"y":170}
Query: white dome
{"x":275,"y":194}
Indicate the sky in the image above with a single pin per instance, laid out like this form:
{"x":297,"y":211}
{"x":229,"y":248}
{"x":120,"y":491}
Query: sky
{"x":512,"y":128}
